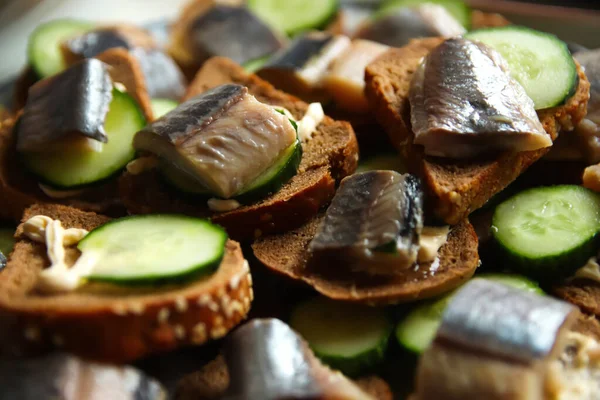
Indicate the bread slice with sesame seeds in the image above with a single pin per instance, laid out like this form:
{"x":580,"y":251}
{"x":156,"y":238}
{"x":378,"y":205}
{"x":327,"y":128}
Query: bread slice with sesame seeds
{"x":330,"y":155}
{"x":455,"y":187}
{"x":108,"y":322}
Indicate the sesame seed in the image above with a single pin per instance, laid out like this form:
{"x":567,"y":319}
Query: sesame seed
{"x":235,"y":306}
{"x":225,"y":303}
{"x":221,"y":293}
{"x":119,"y":309}
{"x":204,"y":300}
{"x":218,"y":321}
{"x":214,"y":307}
{"x":163,"y":315}
{"x":181,"y":304}
{"x":249,"y":279}
{"x":179,"y":331}
{"x":137,"y":308}
{"x":199,"y":333}
{"x":58,"y":340}
{"x":251,"y":294}
{"x":218,"y":332}
{"x":32,"y":333}
{"x":246,"y":303}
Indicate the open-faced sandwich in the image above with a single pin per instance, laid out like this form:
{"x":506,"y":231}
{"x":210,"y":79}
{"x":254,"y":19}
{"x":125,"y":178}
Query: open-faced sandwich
{"x":423,"y":270}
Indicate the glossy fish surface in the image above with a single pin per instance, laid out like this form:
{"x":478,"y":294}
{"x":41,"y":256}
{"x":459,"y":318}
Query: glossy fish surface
{"x":372,"y":210}
{"x":232,"y":32}
{"x":164,"y":79}
{"x":268,"y":360}
{"x":74,"y":102}
{"x":64,"y":377}
{"x":464,"y":104}
{"x":406,"y":23}
{"x":223,"y":138}
{"x":491,"y":318}
{"x":92,"y":43}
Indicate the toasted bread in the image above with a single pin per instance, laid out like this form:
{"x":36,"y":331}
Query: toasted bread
{"x":328,"y":157}
{"x":287,"y":254}
{"x":583,"y":293}
{"x":587,"y":325}
{"x":19,"y":190}
{"x":211,"y":382}
{"x":114,"y":323}
{"x":456,"y":188}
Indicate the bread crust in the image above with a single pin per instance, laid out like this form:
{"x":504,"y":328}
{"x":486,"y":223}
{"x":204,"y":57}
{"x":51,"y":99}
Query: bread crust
{"x":328,"y":157}
{"x":287,"y":254}
{"x":111,"y":323}
{"x":455,"y":188}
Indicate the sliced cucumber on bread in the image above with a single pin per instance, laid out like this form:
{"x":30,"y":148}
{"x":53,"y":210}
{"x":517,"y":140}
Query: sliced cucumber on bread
{"x":73,"y":168}
{"x":416,"y":331}
{"x":295,"y":16}
{"x":548,"y":232}
{"x":539,"y":61}
{"x":457,"y":8}
{"x":45,"y":56}
{"x":349,"y":337}
{"x":153,"y":248}
{"x":162,"y":106}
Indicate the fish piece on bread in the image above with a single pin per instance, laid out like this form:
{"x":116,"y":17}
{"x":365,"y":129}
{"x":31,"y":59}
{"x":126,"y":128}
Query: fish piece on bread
{"x":456,"y":188}
{"x":109,"y":322}
{"x":328,"y":156}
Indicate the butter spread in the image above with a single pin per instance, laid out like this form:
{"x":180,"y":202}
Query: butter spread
{"x":59,"y":194}
{"x":142,"y":164}
{"x":591,"y":270}
{"x":432,"y":239}
{"x":220,"y":205}
{"x":59,"y":277}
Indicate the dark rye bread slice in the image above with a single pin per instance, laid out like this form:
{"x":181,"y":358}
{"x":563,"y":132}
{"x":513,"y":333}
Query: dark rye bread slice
{"x":19,"y":189}
{"x":287,"y":254}
{"x":329,"y":156}
{"x":456,"y":188}
{"x":211,"y":382}
{"x":114,"y":323}
{"x":584,"y":293}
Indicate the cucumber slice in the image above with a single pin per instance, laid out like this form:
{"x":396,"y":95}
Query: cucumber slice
{"x":269,"y":182}
{"x":7,"y":240}
{"x":391,"y":162}
{"x":457,"y":8}
{"x":153,"y":248}
{"x":417,"y":330}
{"x":162,"y":106}
{"x":548,"y":232}
{"x":295,"y":16}
{"x":72,"y":168}
{"x":351,"y":338}
{"x":45,"y":56}
{"x":539,"y":61}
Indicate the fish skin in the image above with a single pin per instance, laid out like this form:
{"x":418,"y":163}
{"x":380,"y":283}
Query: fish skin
{"x":92,"y":43}
{"x":193,"y":115}
{"x":300,"y":51}
{"x":164,"y":79}
{"x":402,"y":25}
{"x":370,"y":210}
{"x":232,"y":32}
{"x":74,"y":101}
{"x":65,"y":377}
{"x":524,"y":329}
{"x":464,"y":103}
{"x":268,"y":360}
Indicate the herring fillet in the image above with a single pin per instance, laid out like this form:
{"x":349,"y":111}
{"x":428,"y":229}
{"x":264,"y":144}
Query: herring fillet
{"x":268,"y":360}
{"x":464,"y":103}
{"x":370,"y":210}
{"x":75,"y":101}
{"x":223,"y":139}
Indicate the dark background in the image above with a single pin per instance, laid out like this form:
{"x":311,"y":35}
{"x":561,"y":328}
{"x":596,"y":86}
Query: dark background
{"x":593,"y":4}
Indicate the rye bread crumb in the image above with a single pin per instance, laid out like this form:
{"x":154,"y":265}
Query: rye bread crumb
{"x":328,"y":157}
{"x":114,"y":323}
{"x":211,"y":382}
{"x":455,"y":188}
{"x":287,"y":254}
{"x":583,"y":293}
